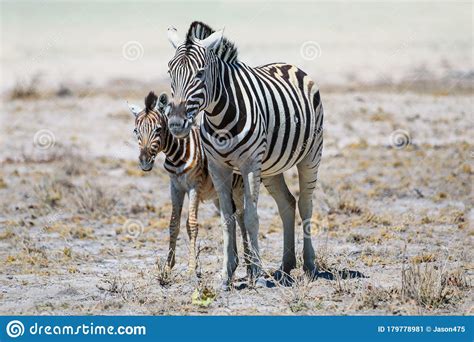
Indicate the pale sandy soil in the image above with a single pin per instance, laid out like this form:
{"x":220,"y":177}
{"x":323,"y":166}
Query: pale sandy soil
{"x":402,"y":217}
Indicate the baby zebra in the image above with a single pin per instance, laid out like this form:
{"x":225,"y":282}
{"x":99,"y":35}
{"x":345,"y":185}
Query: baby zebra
{"x":187,"y":167}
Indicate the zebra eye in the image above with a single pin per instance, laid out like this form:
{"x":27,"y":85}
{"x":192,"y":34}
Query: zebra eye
{"x":157,"y":129}
{"x":200,"y":73}
{"x":135,"y":131}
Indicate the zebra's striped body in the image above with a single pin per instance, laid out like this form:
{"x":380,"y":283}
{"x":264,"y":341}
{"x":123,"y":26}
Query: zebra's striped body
{"x":258,"y":122}
{"x":280,"y":122}
{"x":186,"y":165}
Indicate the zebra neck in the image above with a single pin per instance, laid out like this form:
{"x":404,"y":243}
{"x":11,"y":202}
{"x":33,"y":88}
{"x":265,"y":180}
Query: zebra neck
{"x":175,"y":149}
{"x":224,"y":98}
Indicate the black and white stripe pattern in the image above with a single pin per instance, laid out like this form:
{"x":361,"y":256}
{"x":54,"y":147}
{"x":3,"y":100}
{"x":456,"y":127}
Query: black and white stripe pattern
{"x":258,"y":122}
{"x":185,"y":163}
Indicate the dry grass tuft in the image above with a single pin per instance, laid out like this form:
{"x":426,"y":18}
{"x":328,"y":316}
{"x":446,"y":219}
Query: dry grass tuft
{"x":27,"y":89}
{"x":117,"y":286}
{"x":75,"y":165}
{"x":424,"y":257}
{"x":92,"y":199}
{"x":163,"y":273}
{"x":431,"y":286}
{"x":375,"y":297}
{"x":297,"y":297}
{"x":7,"y":234}
{"x":50,"y":191}
{"x":349,"y":206}
{"x":30,"y":256}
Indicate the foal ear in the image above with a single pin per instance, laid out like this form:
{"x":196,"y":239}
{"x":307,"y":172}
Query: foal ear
{"x":162,"y":103}
{"x":173,"y":37}
{"x":134,"y":109}
{"x":213,"y":40}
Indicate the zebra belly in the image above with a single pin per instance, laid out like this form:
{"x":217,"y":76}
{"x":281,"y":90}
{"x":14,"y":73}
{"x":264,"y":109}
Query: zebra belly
{"x":276,"y":160}
{"x":196,"y":179}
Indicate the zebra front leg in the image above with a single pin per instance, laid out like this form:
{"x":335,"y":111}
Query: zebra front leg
{"x":251,"y":191}
{"x":286,"y":203}
{"x":177,"y":198}
{"x":238,"y":196}
{"x":192,"y":228}
{"x":222,"y":180}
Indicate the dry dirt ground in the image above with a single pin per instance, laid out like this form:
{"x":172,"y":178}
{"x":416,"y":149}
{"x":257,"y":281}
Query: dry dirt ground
{"x":84,"y":231}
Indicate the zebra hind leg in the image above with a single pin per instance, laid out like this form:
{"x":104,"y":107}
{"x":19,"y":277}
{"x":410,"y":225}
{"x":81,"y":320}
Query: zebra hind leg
{"x":251,"y":190}
{"x":308,"y":175}
{"x":286,"y":203}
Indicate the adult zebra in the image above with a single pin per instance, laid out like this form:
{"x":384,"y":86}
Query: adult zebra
{"x":258,"y":122}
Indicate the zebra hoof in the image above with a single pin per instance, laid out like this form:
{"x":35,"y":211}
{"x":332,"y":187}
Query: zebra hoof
{"x":283,"y":278}
{"x":261,"y":282}
{"x":225,"y":286}
{"x":313,"y":274}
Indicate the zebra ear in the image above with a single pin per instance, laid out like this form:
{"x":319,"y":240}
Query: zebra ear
{"x":134,"y":109}
{"x":173,"y":37}
{"x":167,"y":109}
{"x":162,"y":103}
{"x":213,"y":40}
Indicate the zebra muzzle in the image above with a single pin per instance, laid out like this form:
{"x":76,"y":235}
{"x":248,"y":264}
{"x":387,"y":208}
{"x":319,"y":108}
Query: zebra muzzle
{"x":174,"y":124}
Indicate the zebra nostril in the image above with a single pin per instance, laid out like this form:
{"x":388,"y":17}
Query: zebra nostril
{"x":174,"y":124}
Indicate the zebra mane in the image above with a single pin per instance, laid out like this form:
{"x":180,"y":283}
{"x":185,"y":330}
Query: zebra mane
{"x":150,"y":101}
{"x":226,"y":49}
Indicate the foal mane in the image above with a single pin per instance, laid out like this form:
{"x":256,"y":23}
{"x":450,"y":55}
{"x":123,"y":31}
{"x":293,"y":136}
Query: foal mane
{"x":226,"y":50}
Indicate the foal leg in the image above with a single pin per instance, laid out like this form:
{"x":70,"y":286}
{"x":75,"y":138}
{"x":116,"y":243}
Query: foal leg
{"x":192,"y":228}
{"x":286,"y":203}
{"x":177,"y":198}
